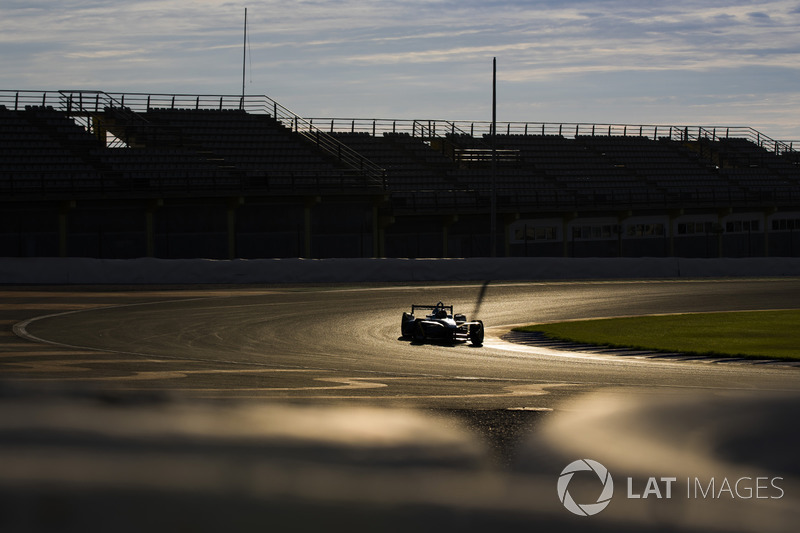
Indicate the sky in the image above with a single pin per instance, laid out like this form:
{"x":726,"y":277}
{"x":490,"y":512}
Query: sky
{"x":711,"y":63}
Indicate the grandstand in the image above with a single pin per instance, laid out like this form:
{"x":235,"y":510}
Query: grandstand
{"x":113,"y":175}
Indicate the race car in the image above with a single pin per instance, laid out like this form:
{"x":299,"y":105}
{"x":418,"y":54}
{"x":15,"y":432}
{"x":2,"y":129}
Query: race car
{"x":440,"y":325}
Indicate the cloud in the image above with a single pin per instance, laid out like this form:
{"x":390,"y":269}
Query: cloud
{"x":378,"y":55}
{"x":759,"y":16}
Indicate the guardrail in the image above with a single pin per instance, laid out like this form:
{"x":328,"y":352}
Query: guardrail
{"x":261,"y":104}
{"x":81,"y":102}
{"x":316,"y":130}
{"x":441,"y":128}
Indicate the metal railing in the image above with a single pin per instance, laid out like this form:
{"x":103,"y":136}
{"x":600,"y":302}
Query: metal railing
{"x":479,"y":129}
{"x":261,"y":104}
{"x":81,"y":102}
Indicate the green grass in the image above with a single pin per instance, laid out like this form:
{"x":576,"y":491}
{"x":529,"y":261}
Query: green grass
{"x":757,"y":334}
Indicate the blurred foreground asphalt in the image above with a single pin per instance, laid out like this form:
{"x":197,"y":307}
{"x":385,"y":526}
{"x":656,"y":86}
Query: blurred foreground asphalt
{"x":99,"y":462}
{"x":209,"y":410}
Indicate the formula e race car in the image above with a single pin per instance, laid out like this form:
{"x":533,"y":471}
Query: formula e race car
{"x":440,"y":325}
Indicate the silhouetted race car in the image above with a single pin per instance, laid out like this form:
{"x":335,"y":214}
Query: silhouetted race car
{"x":440,"y":325}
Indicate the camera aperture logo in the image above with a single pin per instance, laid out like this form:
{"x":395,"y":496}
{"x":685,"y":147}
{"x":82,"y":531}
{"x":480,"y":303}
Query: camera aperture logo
{"x":585,"y":509}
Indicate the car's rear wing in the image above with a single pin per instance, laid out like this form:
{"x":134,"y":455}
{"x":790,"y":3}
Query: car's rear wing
{"x":431,"y":307}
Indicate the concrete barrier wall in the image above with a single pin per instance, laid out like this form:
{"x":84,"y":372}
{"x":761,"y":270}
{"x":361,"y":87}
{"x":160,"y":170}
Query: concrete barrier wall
{"x":66,"y":271}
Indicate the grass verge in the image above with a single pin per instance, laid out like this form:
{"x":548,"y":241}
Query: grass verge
{"x":754,"y":334}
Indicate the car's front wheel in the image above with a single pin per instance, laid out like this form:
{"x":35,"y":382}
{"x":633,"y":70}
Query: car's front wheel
{"x":476,"y":333}
{"x":407,"y":325}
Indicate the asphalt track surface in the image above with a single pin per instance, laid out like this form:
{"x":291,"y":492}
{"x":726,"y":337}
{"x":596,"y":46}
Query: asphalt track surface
{"x":330,"y":344}
{"x":332,"y":347}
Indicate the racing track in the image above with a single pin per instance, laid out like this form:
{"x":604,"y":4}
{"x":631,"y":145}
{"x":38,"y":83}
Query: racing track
{"x":336,"y":351}
{"x":342,"y":344}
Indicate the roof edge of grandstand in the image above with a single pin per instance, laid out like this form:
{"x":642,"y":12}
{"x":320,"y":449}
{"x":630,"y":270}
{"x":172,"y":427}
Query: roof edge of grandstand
{"x":88,"y":101}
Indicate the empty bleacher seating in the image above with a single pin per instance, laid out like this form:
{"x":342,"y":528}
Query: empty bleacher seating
{"x":44,"y":151}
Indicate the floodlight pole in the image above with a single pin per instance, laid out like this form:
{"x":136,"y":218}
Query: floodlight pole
{"x":244,"y":57}
{"x":493,"y":222}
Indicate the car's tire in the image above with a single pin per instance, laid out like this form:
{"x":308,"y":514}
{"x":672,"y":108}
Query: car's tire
{"x":476,"y":333}
{"x":407,"y":325}
{"x":419,"y":331}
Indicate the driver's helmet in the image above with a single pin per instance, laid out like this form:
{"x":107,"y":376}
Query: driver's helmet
{"x":441,"y":313}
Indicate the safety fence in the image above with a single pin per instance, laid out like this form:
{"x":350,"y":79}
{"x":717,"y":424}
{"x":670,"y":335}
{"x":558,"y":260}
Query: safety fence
{"x":134,"y":105}
{"x":483,"y":129}
{"x":314,"y":128}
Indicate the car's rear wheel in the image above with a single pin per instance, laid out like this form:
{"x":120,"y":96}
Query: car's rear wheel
{"x":476,"y":333}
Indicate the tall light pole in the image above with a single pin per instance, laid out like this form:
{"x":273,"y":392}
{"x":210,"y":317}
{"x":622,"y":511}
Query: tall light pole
{"x":493,"y":222}
{"x":244,"y":57}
